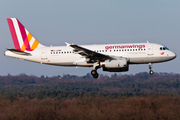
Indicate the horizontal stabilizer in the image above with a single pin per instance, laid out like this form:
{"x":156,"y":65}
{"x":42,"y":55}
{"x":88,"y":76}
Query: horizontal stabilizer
{"x":18,"y":52}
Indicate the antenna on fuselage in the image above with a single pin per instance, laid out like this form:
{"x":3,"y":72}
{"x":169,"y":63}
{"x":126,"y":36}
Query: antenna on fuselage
{"x":147,"y":41}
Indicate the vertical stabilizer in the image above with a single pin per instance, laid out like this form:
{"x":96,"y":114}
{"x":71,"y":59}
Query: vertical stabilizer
{"x":22,"y":38}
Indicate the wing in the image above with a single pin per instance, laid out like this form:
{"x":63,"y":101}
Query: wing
{"x":90,"y":55}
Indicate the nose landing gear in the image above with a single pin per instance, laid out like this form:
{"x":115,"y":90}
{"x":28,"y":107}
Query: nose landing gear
{"x":151,"y":71}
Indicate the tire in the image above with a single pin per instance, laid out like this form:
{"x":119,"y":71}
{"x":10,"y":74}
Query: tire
{"x":93,"y":72}
{"x":151,"y":72}
{"x":96,"y":75}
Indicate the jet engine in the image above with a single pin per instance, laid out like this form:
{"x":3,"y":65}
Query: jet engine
{"x":116,"y":65}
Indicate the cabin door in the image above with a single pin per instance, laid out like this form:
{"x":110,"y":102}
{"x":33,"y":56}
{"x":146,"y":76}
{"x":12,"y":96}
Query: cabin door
{"x":150,"y":49}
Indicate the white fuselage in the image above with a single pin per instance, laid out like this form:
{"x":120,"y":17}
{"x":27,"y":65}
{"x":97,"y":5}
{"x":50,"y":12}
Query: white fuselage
{"x":111,"y":57}
{"x":136,"y":53}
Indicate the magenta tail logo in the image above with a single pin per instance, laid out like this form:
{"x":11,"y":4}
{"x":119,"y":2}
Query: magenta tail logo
{"x":23,"y":40}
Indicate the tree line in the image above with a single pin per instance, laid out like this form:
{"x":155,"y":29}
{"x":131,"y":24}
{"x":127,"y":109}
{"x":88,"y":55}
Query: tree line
{"x":70,"y":86}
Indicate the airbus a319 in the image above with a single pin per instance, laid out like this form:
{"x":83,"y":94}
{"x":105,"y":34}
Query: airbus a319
{"x":109,"y":57}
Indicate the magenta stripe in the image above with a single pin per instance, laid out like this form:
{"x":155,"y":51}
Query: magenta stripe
{"x":24,"y":36}
{"x":13,"y":34}
{"x":29,"y":50}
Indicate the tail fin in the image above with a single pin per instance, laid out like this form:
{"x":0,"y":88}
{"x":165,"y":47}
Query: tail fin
{"x":23,"y":40}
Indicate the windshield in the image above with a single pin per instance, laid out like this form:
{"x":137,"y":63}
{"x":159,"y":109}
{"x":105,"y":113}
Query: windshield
{"x":164,"y":48}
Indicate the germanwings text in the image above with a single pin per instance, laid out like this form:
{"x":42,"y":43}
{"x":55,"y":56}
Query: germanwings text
{"x":125,"y":46}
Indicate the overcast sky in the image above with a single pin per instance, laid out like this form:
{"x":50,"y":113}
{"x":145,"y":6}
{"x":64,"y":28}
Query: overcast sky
{"x":91,"y":22}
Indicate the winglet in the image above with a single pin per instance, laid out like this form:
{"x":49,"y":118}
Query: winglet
{"x":67,"y":44}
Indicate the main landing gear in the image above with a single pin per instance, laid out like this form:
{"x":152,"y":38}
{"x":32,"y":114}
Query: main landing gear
{"x":94,"y":71}
{"x":151,"y":71}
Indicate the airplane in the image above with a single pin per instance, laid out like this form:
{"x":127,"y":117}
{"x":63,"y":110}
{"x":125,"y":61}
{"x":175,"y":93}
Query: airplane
{"x":109,"y":57}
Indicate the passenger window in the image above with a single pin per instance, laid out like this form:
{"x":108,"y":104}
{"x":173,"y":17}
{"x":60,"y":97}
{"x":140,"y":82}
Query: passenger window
{"x":102,"y":50}
{"x":110,"y":50}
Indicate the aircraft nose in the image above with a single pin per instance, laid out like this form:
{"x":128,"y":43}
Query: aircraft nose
{"x":173,"y":55}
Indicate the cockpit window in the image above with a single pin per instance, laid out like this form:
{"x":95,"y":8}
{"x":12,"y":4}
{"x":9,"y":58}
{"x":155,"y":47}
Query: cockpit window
{"x":164,"y":48}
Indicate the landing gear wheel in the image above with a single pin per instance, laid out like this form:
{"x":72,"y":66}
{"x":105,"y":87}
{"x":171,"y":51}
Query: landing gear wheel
{"x":94,"y":74}
{"x":151,"y":72}
{"x":150,"y":67}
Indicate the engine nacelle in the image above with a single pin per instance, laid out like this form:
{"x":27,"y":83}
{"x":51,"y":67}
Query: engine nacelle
{"x":115,"y":65}
{"x":124,"y":69}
